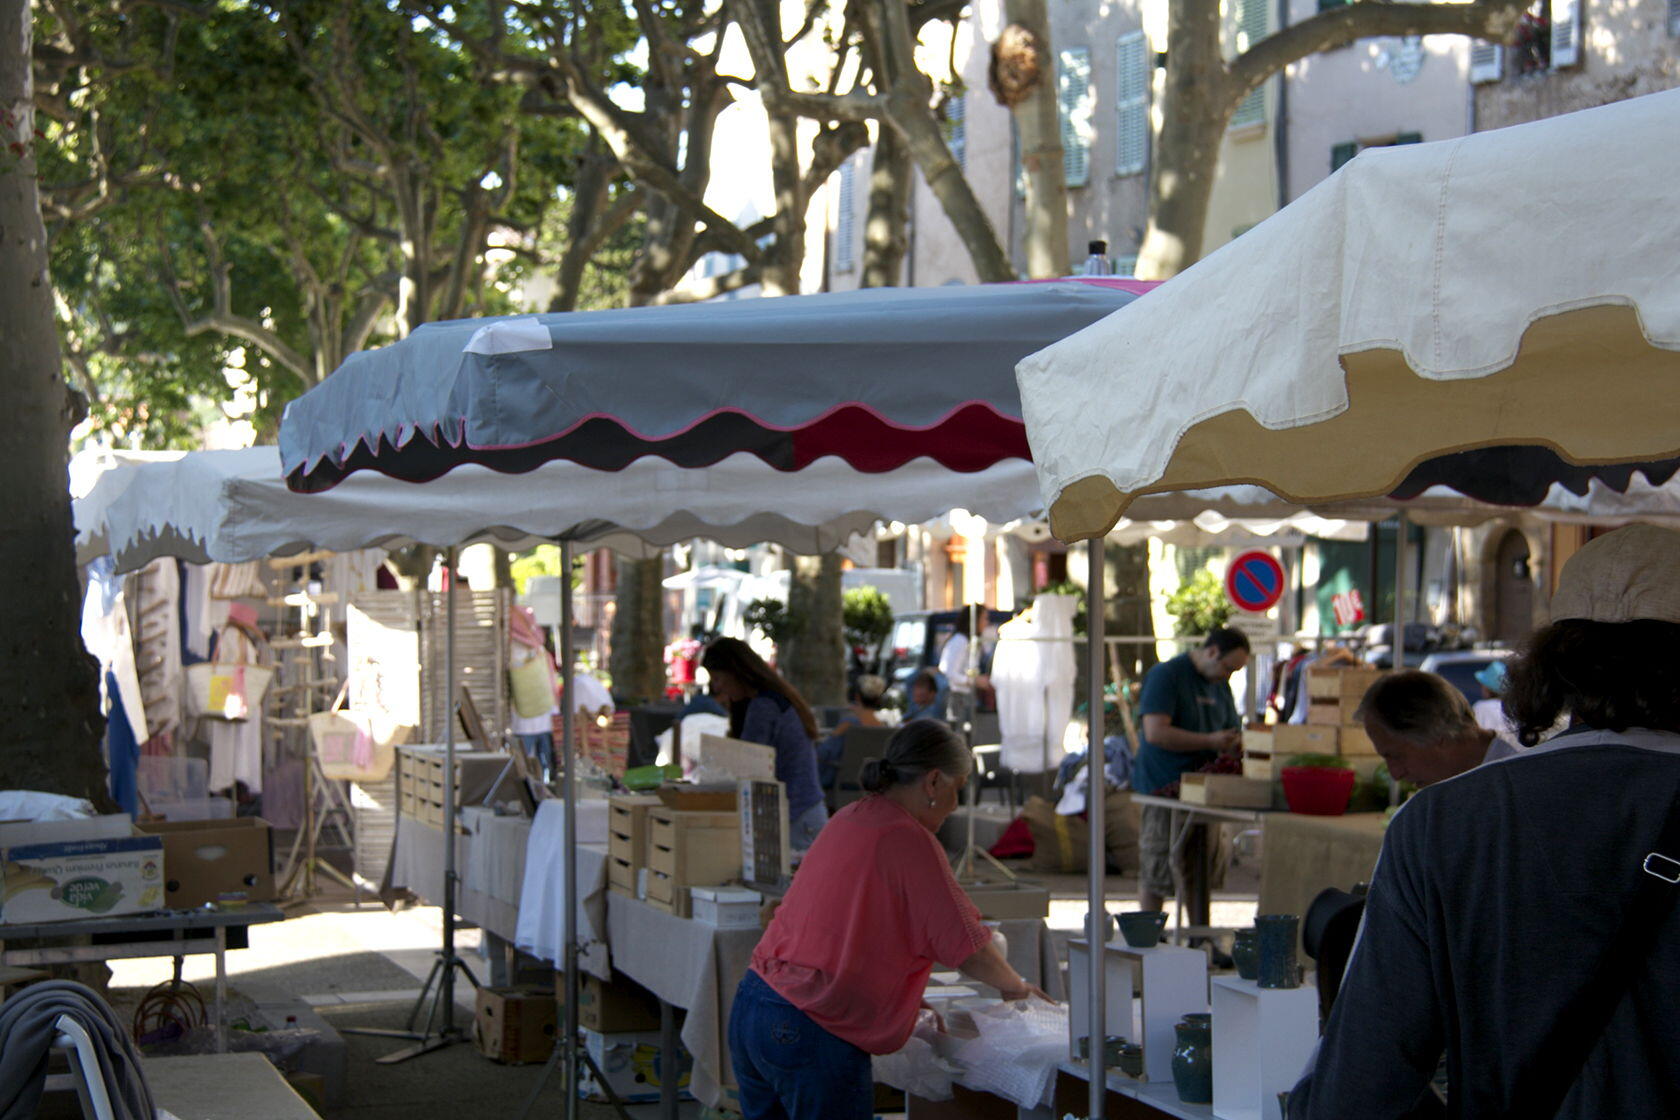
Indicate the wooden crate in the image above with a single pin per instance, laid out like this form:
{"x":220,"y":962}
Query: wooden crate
{"x":1261,"y":766}
{"x":1230,"y":791}
{"x":1304,"y":738}
{"x":1353,"y":742}
{"x":689,"y":849}
{"x":1256,"y":740}
{"x":627,"y":838}
{"x":1334,"y":694}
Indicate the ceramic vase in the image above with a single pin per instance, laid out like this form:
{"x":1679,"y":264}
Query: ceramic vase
{"x":1276,"y":940}
{"x":1245,"y":951}
{"x":1131,"y":1060}
{"x":1192,"y":1061}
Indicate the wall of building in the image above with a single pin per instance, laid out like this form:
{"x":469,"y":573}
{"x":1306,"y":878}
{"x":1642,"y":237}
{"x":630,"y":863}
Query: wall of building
{"x":1369,"y":93}
{"x":1628,"y":48}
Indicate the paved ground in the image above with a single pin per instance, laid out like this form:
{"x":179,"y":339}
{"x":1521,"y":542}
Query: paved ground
{"x":361,"y":967}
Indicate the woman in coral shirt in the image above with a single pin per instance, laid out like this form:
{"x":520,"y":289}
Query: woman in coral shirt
{"x":839,"y":974}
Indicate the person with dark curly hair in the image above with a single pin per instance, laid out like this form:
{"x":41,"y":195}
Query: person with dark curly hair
{"x":1524,"y":915}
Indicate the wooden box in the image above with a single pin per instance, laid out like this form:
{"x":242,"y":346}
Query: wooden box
{"x":1334,"y":694}
{"x":689,"y":849}
{"x":1353,"y":742}
{"x":1260,"y":766}
{"x":1304,"y":738}
{"x":1259,"y":740}
{"x":1227,"y":790}
{"x":627,"y":838}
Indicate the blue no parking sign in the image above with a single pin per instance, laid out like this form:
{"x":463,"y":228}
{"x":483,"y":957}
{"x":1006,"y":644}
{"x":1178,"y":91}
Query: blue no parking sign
{"x":1254,"y":581}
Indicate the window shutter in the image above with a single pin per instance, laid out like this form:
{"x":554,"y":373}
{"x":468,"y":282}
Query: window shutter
{"x":1073,"y":74}
{"x":1566,"y":33}
{"x":956,"y":119}
{"x":1341,"y":153}
{"x":1132,"y":135}
{"x":1252,"y":26}
{"x":1486,"y":62}
{"x":844,"y":219}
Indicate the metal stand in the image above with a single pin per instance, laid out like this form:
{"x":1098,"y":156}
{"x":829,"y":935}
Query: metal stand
{"x":555,"y":1057}
{"x":965,"y":865}
{"x":303,"y":863}
{"x":441,"y":1030}
{"x":1097,"y":901}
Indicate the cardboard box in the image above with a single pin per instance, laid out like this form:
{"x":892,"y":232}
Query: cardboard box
{"x":514,"y":1025}
{"x":726,"y":907}
{"x":633,"y":1065}
{"x":609,"y":1006}
{"x":216,"y":861}
{"x":1229,"y":791}
{"x":998,"y":901}
{"x":702,"y":799}
{"x":1303,"y":738}
{"x":66,"y":870}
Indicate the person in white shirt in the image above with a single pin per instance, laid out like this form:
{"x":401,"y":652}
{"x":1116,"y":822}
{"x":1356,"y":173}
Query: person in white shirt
{"x":953,"y":665}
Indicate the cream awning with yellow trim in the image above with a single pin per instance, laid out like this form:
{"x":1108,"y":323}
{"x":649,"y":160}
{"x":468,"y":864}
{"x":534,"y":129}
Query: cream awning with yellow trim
{"x":1516,"y":287}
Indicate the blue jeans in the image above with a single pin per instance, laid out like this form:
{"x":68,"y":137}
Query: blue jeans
{"x":787,"y":1067}
{"x":540,"y":746}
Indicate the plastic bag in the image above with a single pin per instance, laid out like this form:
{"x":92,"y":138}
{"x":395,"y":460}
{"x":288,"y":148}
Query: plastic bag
{"x":915,"y":1068}
{"x":1017,"y":1051}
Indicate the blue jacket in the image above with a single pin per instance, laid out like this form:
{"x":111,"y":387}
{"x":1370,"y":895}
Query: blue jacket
{"x":771,"y":719}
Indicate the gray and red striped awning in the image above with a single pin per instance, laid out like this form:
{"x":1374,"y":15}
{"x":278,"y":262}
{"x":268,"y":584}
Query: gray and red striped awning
{"x":876,"y":378}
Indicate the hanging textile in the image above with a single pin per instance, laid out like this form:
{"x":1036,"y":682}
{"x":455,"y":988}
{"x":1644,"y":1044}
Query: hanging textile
{"x":155,"y":591}
{"x":122,"y":751}
{"x":1033,"y":674}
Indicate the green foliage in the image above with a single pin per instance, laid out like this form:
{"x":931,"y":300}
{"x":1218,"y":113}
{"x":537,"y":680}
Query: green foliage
{"x":236,"y":207}
{"x":866,"y":616}
{"x":774,"y":619}
{"x":1199,"y":605}
{"x":1322,"y":761}
{"x":544,"y":560}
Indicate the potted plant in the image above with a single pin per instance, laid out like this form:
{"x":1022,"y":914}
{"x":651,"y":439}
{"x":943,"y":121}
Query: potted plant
{"x":1317,"y":784}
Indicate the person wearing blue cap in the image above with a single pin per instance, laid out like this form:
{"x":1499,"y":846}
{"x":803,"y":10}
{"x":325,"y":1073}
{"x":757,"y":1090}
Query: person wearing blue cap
{"x":1490,"y":709}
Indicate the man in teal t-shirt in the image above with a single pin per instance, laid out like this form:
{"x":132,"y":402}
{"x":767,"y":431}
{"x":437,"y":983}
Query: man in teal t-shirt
{"x":1188,"y":717}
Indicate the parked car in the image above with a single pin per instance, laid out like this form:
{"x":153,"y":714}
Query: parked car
{"x":1461,"y":666}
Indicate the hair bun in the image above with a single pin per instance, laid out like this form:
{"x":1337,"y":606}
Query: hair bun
{"x":877,"y":775}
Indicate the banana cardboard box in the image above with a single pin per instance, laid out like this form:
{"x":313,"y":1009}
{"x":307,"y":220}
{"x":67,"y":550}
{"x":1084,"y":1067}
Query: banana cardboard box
{"x":64,"y":871}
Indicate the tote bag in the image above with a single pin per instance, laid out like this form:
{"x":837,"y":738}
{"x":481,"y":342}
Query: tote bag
{"x":229,"y":687}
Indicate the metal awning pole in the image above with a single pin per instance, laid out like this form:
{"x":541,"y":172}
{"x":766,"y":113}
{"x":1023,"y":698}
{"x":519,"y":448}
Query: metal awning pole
{"x":1096,"y":771}
{"x":447,"y":978}
{"x":568,"y":717}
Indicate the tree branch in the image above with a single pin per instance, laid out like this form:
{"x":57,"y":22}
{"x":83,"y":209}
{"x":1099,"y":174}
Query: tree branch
{"x":711,"y":288}
{"x":1494,"y":20}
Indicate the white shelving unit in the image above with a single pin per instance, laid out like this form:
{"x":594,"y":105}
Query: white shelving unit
{"x":1262,"y":1040}
{"x":1165,"y":981}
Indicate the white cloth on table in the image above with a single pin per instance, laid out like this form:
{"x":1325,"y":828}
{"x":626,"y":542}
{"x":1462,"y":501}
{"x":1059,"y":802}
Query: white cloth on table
{"x":1033,"y":674}
{"x":687,"y":964}
{"x":542,"y":897}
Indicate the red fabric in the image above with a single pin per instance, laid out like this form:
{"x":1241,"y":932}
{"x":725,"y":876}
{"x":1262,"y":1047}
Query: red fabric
{"x":970,"y":439}
{"x":1016,"y":841}
{"x":873,"y":909}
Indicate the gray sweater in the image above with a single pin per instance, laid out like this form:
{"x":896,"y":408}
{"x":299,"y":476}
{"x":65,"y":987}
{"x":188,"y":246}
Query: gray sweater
{"x":1492,"y":898}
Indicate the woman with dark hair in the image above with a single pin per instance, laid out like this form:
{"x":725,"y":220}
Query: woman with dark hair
{"x":1523,"y":916}
{"x":764,"y":708}
{"x":840,"y":972}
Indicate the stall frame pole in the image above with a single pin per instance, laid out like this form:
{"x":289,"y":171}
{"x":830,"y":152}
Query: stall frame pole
{"x":1097,"y":909}
{"x":440,"y":1030}
{"x":568,"y":717}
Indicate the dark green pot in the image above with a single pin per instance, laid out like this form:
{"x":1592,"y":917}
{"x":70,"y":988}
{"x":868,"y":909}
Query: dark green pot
{"x":1192,"y":1062}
